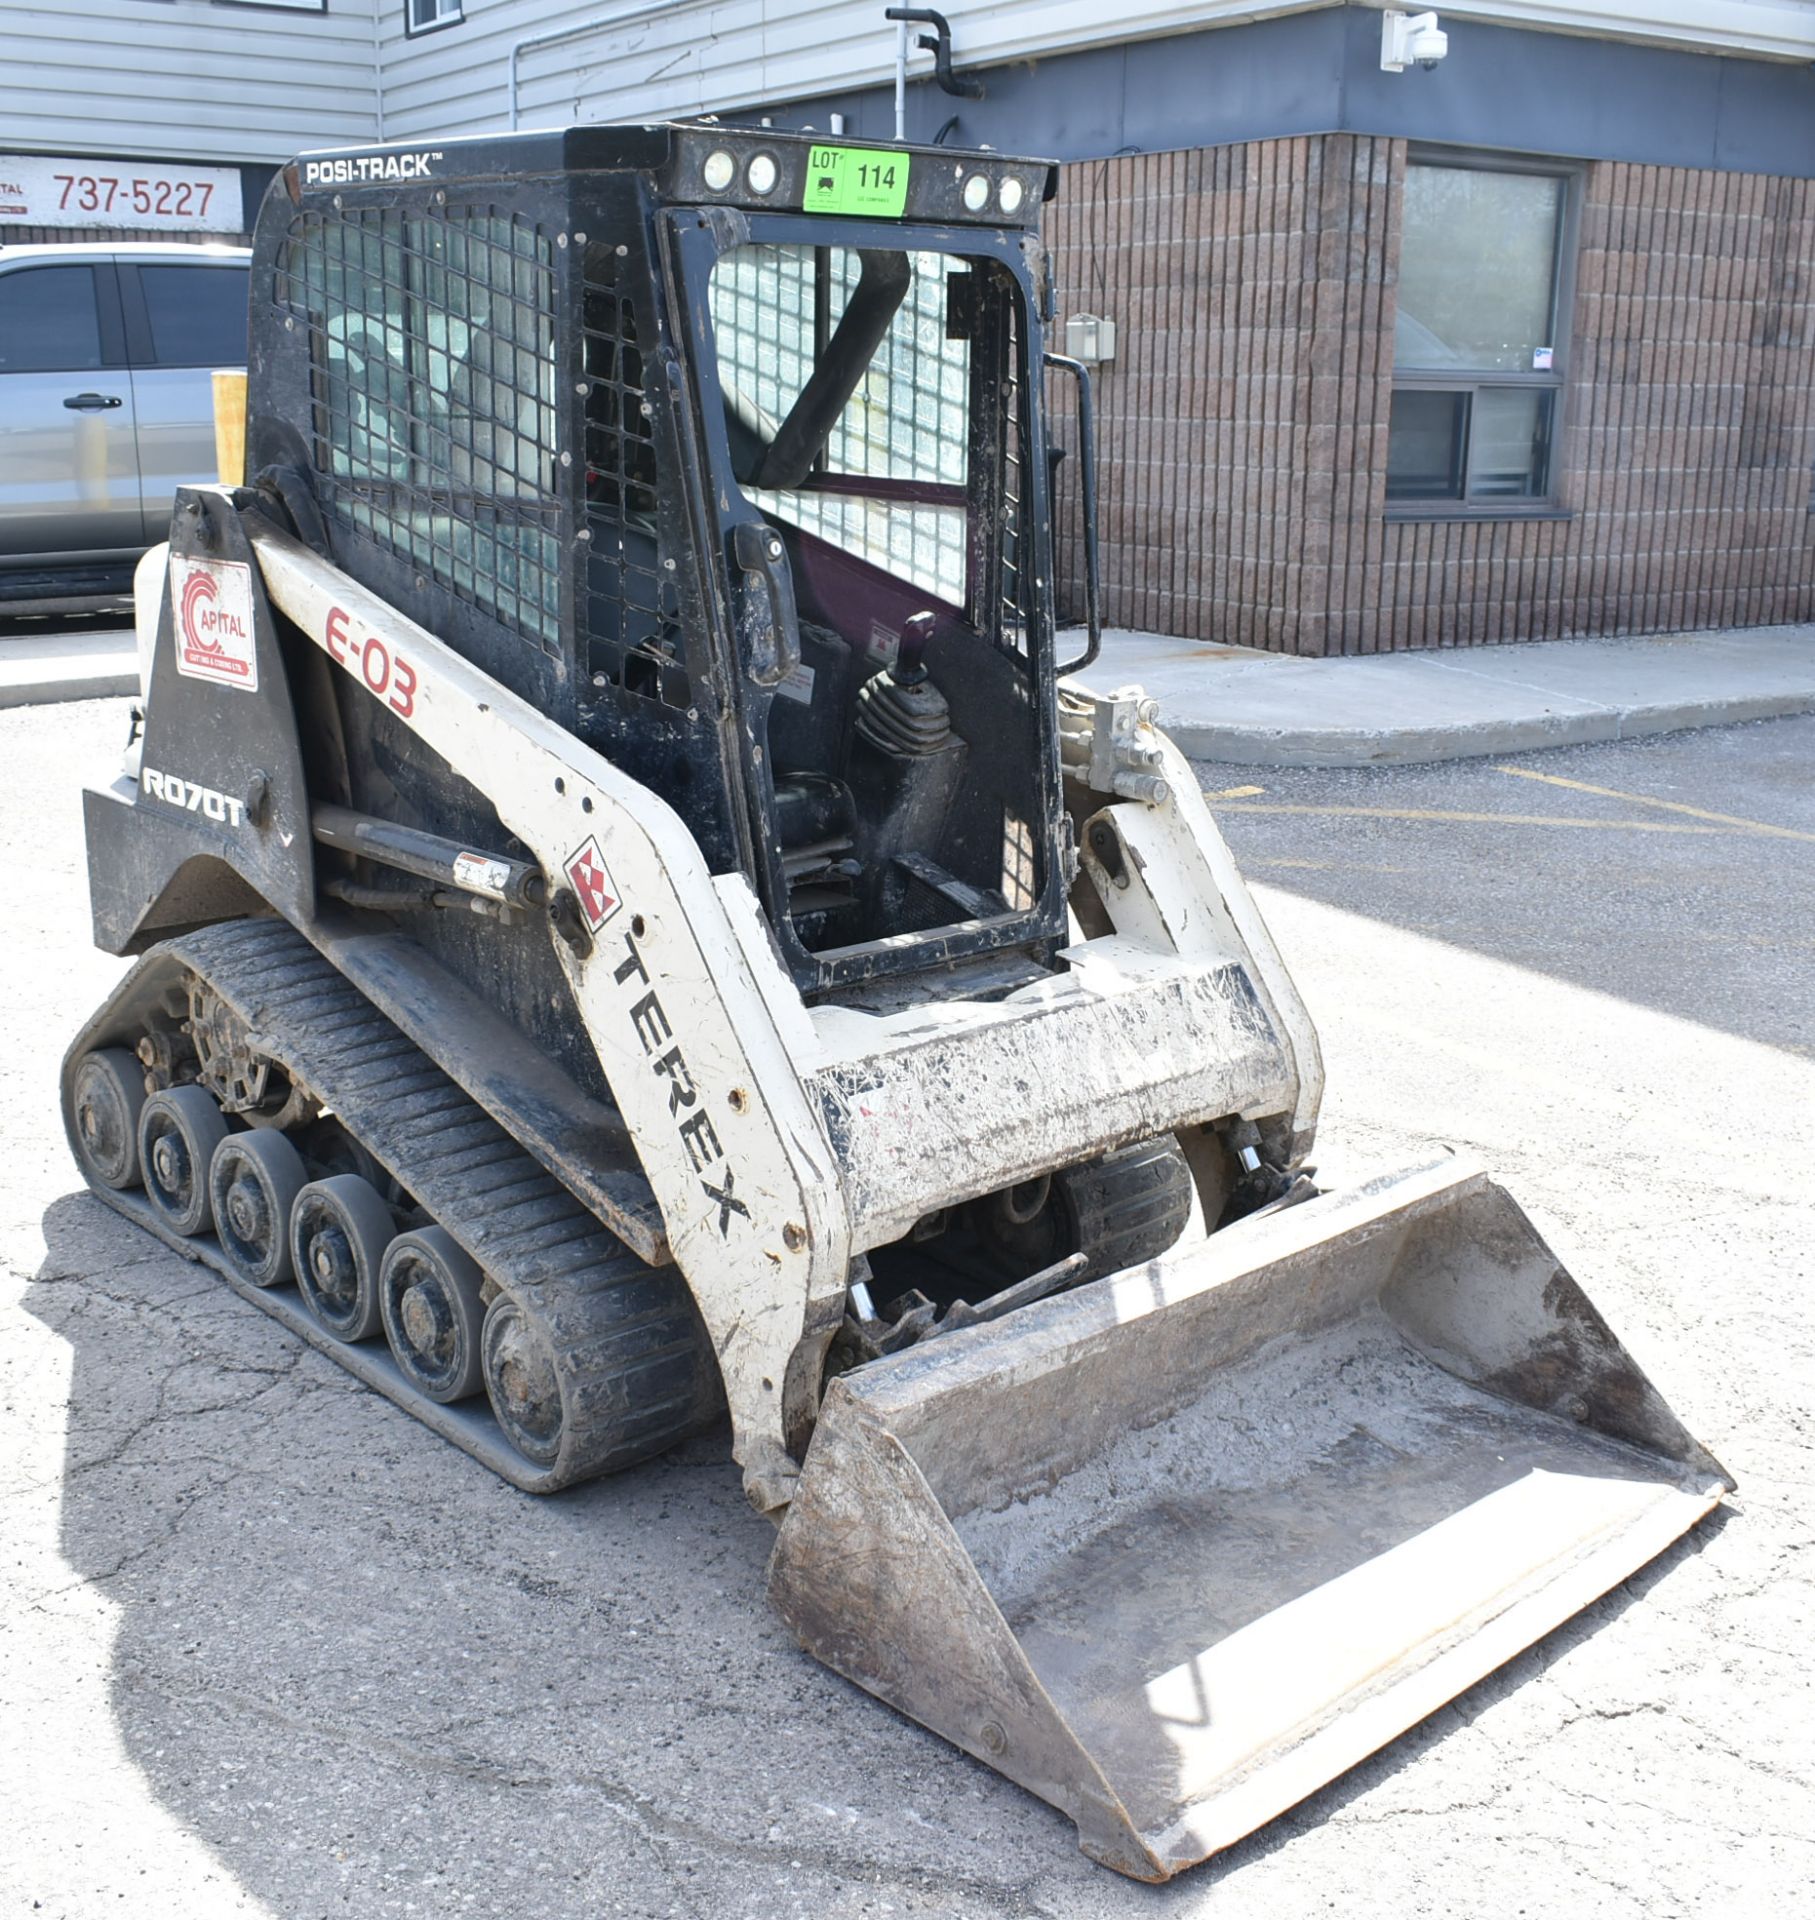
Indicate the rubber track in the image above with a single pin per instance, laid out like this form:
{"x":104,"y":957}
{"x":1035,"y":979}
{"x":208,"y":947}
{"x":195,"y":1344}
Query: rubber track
{"x":638,"y":1370}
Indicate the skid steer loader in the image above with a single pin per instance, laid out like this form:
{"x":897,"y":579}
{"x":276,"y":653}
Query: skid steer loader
{"x":636,"y":921}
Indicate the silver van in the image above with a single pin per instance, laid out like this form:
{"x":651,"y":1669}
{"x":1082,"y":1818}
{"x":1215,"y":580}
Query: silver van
{"x":106,"y":406}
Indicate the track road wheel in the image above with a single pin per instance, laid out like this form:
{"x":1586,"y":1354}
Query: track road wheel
{"x":433,"y":1314}
{"x":522,"y":1382}
{"x":253,"y":1185}
{"x":339,"y":1230}
{"x":179,"y":1132}
{"x":109,"y":1095}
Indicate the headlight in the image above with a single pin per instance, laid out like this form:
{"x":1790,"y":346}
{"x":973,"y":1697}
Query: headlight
{"x":762,"y":173}
{"x":1011,"y":195}
{"x":719,"y":171}
{"x":976,"y":193}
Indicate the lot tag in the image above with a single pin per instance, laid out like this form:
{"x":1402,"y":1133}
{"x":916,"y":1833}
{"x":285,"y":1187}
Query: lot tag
{"x":870,"y":180}
{"x":211,"y":601}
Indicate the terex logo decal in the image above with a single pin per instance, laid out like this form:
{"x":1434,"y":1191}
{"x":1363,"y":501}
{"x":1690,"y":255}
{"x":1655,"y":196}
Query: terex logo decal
{"x":592,"y":884}
{"x":212,"y":604}
{"x":368,"y":169}
{"x":685,"y":1107}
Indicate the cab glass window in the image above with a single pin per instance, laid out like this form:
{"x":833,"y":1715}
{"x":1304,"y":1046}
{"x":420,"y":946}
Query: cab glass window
{"x":432,"y":343}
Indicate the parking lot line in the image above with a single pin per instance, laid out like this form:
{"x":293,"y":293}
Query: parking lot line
{"x":1446,"y":814}
{"x":1669,"y":806}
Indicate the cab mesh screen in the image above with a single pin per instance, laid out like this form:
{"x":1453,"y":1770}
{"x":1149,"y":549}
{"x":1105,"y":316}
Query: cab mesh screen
{"x":633,"y":626}
{"x":432,"y":377}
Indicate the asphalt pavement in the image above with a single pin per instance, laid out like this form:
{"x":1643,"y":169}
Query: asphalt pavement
{"x":1673,"y":871}
{"x":268,"y":1647}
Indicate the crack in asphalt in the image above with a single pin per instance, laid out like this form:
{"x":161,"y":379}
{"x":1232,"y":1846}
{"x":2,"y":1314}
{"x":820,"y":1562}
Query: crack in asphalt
{"x":639,"y":1810}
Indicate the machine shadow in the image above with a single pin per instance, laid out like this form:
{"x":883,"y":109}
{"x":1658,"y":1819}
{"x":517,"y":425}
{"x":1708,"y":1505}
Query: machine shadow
{"x":354,"y":1664}
{"x":359,"y":1668}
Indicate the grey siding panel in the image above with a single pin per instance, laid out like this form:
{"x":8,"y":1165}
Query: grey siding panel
{"x":708,"y":55}
{"x":200,"y":81}
{"x":1501,"y":87}
{"x":697,"y":56}
{"x":186,"y":79}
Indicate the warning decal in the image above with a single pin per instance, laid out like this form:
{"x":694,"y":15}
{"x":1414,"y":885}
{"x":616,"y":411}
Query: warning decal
{"x":592,"y":884}
{"x":211,"y":601}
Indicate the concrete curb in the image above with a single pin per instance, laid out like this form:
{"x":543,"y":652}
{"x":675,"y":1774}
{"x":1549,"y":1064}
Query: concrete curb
{"x":52,"y":690}
{"x":46,"y":669}
{"x":1423,"y":746}
{"x":1414,"y":708}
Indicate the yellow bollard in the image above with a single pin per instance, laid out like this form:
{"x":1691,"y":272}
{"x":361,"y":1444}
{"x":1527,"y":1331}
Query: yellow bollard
{"x":230,"y":428}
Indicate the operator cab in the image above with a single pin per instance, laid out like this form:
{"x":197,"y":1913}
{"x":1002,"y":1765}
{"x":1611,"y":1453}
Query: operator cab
{"x":872,"y":436}
{"x":725,"y":449}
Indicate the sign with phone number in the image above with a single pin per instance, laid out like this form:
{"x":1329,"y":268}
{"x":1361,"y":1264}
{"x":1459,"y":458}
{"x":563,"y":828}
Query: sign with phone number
{"x":40,"y":190}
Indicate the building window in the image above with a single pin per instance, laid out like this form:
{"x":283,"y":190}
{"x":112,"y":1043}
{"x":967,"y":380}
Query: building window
{"x":424,"y":16}
{"x":1477,"y":355}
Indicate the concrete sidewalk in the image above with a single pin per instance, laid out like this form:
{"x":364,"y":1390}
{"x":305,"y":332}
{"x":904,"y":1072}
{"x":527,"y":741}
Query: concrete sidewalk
{"x":38,"y":669}
{"x":1266,"y":709}
{"x":1269,"y":709}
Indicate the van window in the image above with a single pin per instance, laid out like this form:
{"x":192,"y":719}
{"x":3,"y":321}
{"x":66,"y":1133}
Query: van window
{"x":197,"y":314}
{"x":48,"y":321}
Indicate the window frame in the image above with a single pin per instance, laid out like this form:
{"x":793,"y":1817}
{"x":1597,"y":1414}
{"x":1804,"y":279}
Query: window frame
{"x":275,"y":6}
{"x":411,"y":31}
{"x":1547,"y":505}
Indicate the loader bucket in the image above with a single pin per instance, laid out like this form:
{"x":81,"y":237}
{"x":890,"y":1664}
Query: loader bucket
{"x":1176,"y":1548}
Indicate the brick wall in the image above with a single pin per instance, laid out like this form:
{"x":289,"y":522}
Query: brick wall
{"x":1242,"y":428}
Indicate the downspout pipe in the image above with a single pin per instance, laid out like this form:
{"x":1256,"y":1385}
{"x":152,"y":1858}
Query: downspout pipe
{"x":962,"y":86}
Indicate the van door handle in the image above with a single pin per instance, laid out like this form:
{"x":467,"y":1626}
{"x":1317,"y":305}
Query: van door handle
{"x":92,"y":402}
